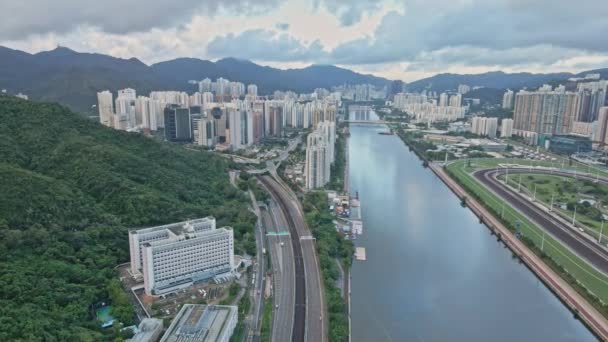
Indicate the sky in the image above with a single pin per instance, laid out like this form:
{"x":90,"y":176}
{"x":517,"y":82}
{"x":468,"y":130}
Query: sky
{"x":397,"y":39}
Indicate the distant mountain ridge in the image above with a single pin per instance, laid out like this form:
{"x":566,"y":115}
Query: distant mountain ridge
{"x":495,"y":79}
{"x":73,"y":78}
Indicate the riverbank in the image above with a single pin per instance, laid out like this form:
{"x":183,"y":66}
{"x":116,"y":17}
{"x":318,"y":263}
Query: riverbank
{"x":571,"y":296}
{"x":568,"y":295}
{"x":331,"y":246}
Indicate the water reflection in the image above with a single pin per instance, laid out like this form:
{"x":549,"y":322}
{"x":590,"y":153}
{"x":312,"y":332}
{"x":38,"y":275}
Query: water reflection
{"x":433,"y":273}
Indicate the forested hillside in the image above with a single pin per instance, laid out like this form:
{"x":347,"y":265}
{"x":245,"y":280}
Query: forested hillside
{"x":70,"y":191}
{"x":74,"y":78}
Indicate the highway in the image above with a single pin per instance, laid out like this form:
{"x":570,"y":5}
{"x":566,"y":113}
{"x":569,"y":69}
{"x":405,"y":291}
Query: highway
{"x":309,"y":319}
{"x":283,"y":274}
{"x":299,"y":310}
{"x":578,"y":242}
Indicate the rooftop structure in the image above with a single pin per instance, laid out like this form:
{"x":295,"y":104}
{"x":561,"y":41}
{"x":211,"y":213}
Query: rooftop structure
{"x":201,"y":323}
{"x":149,"y":330}
{"x":569,"y":144}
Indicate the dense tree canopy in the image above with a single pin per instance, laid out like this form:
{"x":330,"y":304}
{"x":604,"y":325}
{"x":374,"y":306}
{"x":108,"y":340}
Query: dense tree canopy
{"x":71,"y":189}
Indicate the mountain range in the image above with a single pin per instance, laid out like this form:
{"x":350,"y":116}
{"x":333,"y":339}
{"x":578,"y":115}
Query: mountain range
{"x":73,"y":78}
{"x":496,"y":80}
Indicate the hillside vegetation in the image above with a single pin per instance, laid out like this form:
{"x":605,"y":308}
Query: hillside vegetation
{"x":71,"y":189}
{"x":74,"y":78}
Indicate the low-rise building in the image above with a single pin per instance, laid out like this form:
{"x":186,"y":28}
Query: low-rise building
{"x":149,"y":330}
{"x":569,"y":144}
{"x":488,"y":145}
{"x":459,"y":127}
{"x":202,"y":323}
{"x":446,"y":139}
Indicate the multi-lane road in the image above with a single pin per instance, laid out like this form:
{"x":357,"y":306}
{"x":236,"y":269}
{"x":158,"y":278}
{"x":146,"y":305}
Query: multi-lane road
{"x":254,"y":326}
{"x":283,"y":273}
{"x":580,"y":243}
{"x":309,"y":321}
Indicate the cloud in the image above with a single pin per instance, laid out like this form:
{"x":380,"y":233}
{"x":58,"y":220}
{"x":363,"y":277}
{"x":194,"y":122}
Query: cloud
{"x":468,"y":33}
{"x":472,"y":33}
{"x":265,"y":45}
{"x":384,"y":37}
{"x":282,"y":26}
{"x":349,"y":12}
{"x":114,"y":16}
{"x":472,"y":56}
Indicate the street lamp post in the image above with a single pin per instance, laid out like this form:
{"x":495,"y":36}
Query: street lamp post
{"x":551,"y":207}
{"x":519,"y":185}
{"x":574,"y":217}
{"x":601,"y":232}
{"x":534,"y":198}
{"x":542,"y":243}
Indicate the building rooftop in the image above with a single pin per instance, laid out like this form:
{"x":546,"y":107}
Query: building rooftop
{"x":197,"y":323}
{"x":148,"y":331}
{"x":180,"y":228}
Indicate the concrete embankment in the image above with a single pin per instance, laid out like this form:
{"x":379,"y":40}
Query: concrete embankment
{"x":585,"y":311}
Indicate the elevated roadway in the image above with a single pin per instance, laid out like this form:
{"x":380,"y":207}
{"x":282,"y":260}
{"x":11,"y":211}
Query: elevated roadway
{"x":309,"y":318}
{"x":298,"y":310}
{"x":283,"y":273}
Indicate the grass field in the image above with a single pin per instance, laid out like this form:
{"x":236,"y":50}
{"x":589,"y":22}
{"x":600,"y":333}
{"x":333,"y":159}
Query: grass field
{"x":266,"y":331}
{"x":565,"y":193}
{"x":591,"y":279}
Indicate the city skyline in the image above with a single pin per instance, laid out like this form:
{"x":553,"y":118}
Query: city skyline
{"x":304,"y":170}
{"x":394,"y":39}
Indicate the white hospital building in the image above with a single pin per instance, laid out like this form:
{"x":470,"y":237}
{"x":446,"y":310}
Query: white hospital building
{"x":176,"y":255}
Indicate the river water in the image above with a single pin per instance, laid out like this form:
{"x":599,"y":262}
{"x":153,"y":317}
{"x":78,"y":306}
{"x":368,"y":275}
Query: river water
{"x":433,"y":272}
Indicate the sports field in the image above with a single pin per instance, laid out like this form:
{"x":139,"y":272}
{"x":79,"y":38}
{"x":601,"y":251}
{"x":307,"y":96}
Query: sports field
{"x":593,"y":280}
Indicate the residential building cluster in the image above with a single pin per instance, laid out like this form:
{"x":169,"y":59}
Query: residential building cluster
{"x":361,"y":92}
{"x":484,"y":126}
{"x":174,"y":256}
{"x":463,"y":89}
{"x":427,"y":109}
{"x":320,"y":154}
{"x":508,"y":99}
{"x":555,"y":111}
{"x":506,"y":128}
{"x":215,"y":116}
{"x":226,"y":90}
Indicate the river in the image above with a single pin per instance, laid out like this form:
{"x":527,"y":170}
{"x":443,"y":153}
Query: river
{"x":433,"y":272}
